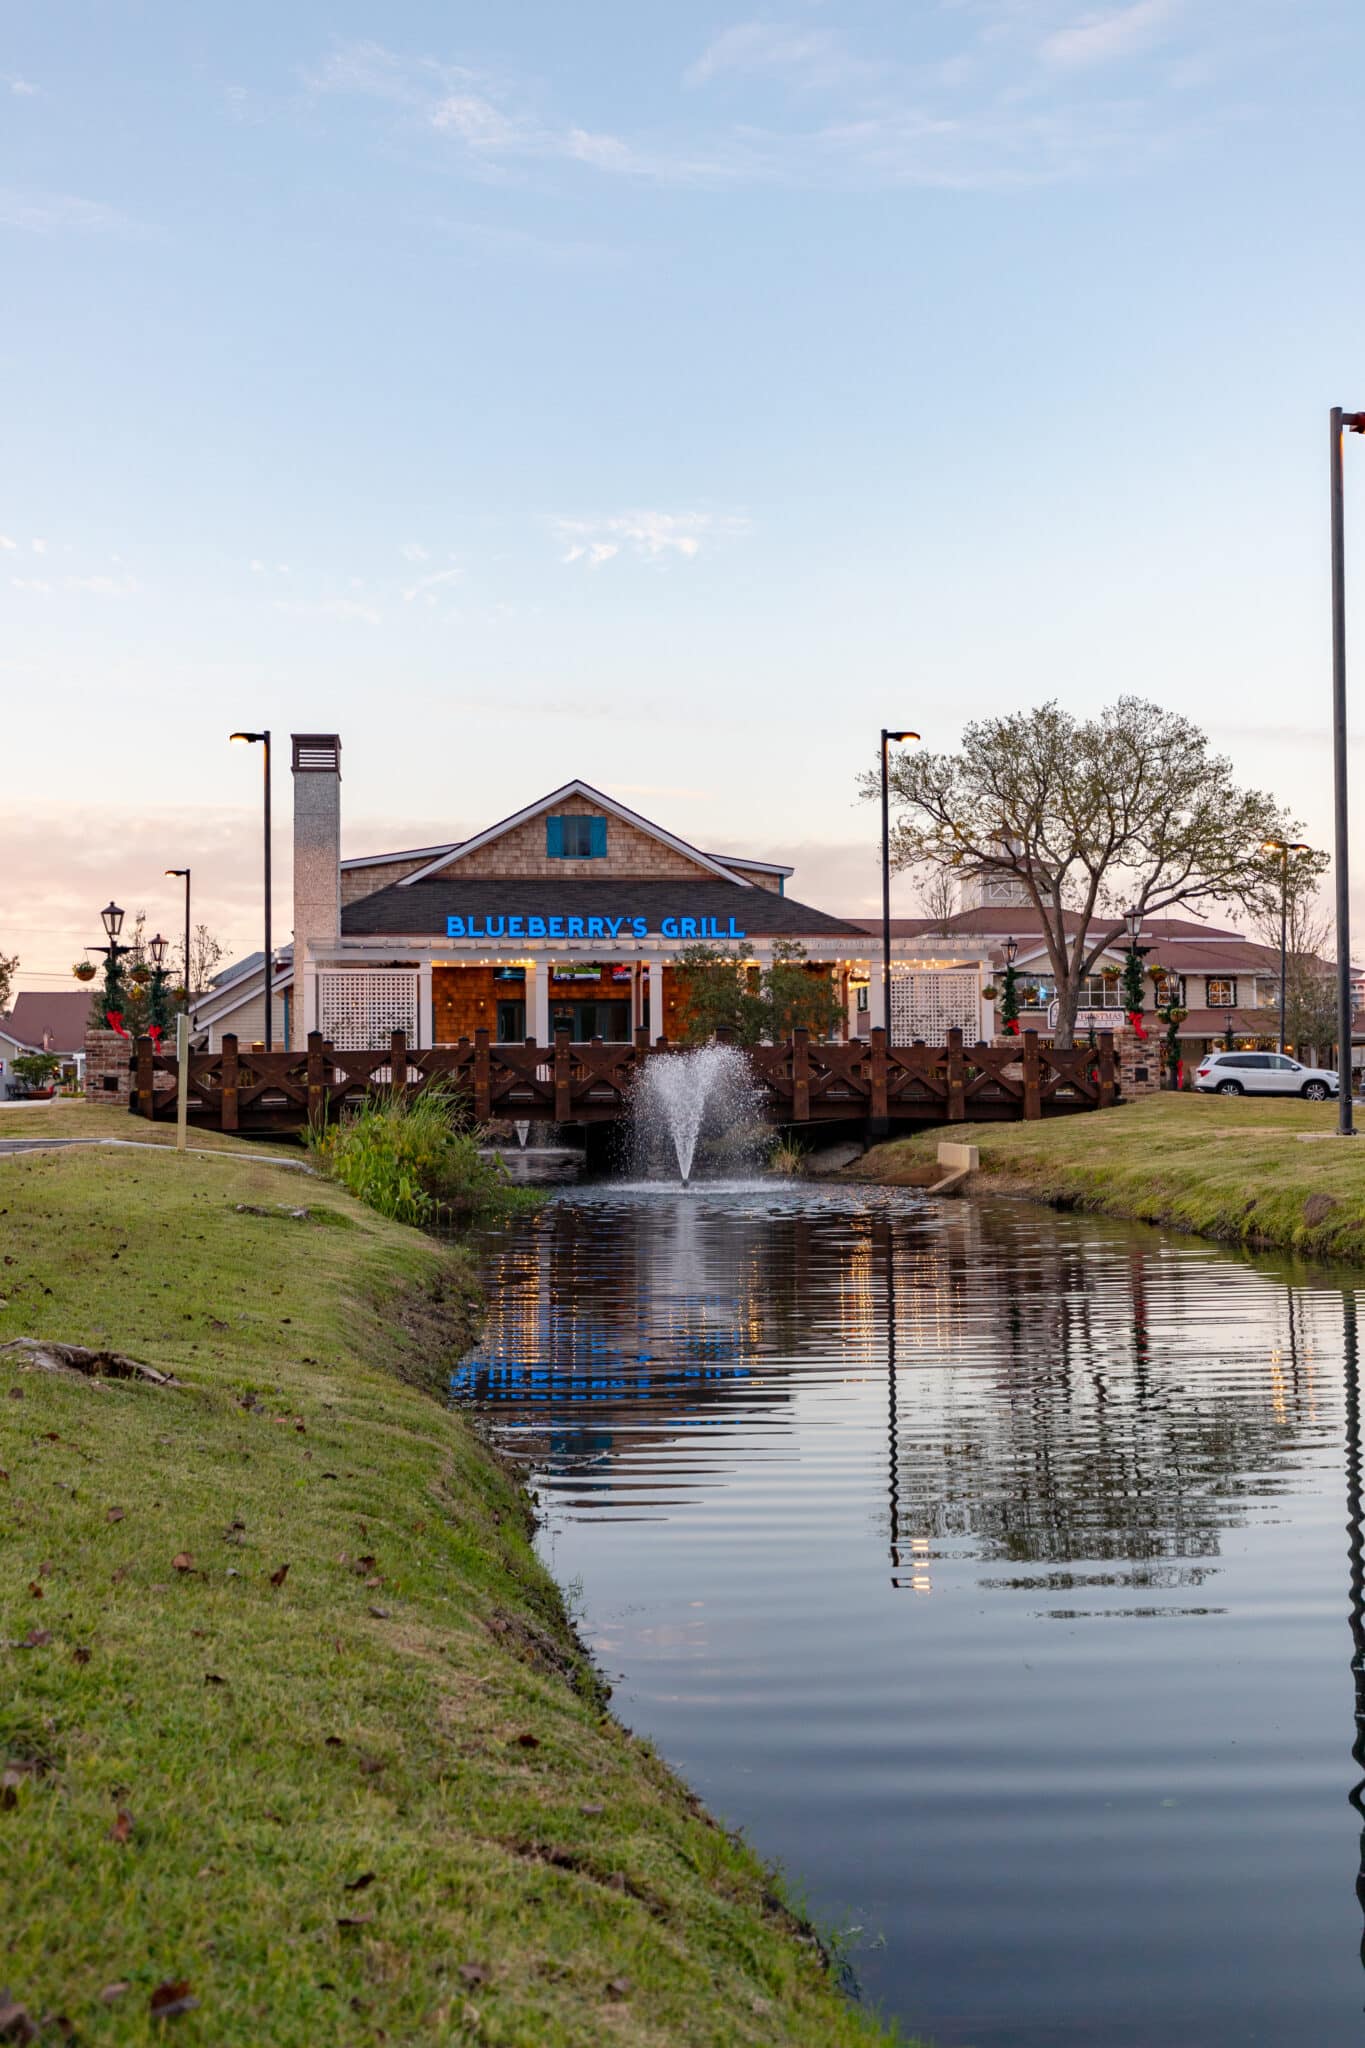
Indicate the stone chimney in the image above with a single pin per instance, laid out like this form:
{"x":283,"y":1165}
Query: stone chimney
{"x":317,"y":864}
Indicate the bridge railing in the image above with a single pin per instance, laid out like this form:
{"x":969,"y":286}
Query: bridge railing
{"x":804,"y":1080}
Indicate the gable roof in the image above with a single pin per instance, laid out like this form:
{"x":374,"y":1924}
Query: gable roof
{"x":1022,"y":923}
{"x":60,"y":1015}
{"x":414,"y":909}
{"x":447,"y":858}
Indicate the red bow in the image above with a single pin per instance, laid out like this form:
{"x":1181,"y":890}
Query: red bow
{"x":1012,"y":1026}
{"x":114,"y":1019}
{"x":1135,"y":1019}
{"x":154,"y":1033}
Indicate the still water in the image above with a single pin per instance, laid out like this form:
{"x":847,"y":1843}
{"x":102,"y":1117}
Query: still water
{"x":994,"y":1571}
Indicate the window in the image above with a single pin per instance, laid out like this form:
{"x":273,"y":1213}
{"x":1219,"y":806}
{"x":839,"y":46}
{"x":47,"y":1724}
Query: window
{"x":1222,"y":994}
{"x":576,"y":838}
{"x":1099,"y":994}
{"x":1170,"y":990}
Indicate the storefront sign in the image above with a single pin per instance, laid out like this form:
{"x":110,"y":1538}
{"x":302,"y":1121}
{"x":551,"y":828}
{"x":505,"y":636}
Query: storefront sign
{"x":591,"y":928}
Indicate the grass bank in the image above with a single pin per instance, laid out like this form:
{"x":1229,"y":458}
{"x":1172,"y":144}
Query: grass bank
{"x":295,"y":1739}
{"x":1246,"y":1171}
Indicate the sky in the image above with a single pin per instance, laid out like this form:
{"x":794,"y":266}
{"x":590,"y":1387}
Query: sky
{"x":665,"y":396}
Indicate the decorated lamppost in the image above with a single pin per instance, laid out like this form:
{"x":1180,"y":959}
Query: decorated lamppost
{"x":1171,"y":1011}
{"x":1133,"y":973}
{"x":158,"y":1008}
{"x":1009,"y":998}
{"x":113,"y":999}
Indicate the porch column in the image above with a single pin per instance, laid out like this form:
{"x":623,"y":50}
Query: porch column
{"x":426,"y":1024}
{"x":538,"y":1008}
{"x":876,"y":1005}
{"x":657,"y":1027}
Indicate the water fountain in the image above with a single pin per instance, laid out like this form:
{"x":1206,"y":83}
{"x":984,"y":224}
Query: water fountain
{"x":705,"y":1098}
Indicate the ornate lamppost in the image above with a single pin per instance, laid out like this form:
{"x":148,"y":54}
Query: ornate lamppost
{"x":113,"y":999}
{"x":1009,"y":998}
{"x":158,"y":1008}
{"x":1133,"y":985}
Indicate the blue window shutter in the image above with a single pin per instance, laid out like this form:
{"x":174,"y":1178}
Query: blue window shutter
{"x":554,"y":838}
{"x":597,"y":838}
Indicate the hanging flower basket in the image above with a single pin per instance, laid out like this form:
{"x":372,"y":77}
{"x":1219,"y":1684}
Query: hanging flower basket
{"x":1156,"y":970}
{"x":140,"y":974}
{"x":989,"y":992}
{"x":1029,"y":998}
{"x":179,"y":995}
{"x":1109,"y":972}
{"x":85,"y":970}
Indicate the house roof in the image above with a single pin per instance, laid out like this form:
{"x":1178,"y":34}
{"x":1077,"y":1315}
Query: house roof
{"x":416,"y":909}
{"x":449,"y":858}
{"x":995,"y":921}
{"x":51,"y":1020}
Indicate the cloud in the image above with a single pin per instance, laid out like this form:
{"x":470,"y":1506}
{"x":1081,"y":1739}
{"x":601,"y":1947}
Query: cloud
{"x":6,"y":542}
{"x":331,"y":608}
{"x":42,"y":213}
{"x":649,"y":535}
{"x":429,"y":583}
{"x":1104,"y":38}
{"x":23,"y":87}
{"x":809,"y":59}
{"x":412,"y":552}
{"x":101,"y":586}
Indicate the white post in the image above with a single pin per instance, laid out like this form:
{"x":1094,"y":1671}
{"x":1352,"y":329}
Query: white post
{"x":876,"y":1003}
{"x":656,"y":998}
{"x":426,"y":1025}
{"x":538,"y":975}
{"x":182,"y":1079}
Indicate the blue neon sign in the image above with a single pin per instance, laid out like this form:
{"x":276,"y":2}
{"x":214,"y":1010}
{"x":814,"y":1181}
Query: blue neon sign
{"x":487,"y":927}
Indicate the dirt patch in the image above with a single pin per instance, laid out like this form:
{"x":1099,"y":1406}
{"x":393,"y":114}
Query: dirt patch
{"x":78,"y":1361}
{"x":1317,"y":1209}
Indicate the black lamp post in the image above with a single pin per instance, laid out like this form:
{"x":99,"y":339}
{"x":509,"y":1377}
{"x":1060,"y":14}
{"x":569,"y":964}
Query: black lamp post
{"x":887,"y":738}
{"x":186,"y":873}
{"x":1284,"y":849}
{"x":263,"y":739}
{"x":1009,"y":1003}
{"x":156,"y":1002}
{"x":111,"y":917}
{"x":1342,"y":422}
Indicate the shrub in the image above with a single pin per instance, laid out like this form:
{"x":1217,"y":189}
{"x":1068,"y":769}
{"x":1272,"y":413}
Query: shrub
{"x":413,"y":1159}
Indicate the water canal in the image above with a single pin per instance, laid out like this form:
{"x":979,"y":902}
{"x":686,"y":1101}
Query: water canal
{"x":990,"y":1569}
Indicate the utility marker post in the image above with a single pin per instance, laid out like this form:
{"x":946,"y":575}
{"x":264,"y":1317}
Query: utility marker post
{"x":182,"y":1079}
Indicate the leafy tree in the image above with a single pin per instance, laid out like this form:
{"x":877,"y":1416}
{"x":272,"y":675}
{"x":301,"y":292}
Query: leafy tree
{"x":35,"y":1069}
{"x":728,"y":992}
{"x":1090,"y":815}
{"x":206,"y":955}
{"x":9,"y":967}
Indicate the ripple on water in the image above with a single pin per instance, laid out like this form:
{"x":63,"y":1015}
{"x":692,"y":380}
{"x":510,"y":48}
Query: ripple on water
{"x":990,"y":1568}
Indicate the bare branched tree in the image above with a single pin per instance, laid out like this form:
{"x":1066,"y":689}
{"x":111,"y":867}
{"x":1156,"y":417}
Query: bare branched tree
{"x":1310,"y":989}
{"x":937,"y":896}
{"x":9,"y":967}
{"x":1091,"y":815}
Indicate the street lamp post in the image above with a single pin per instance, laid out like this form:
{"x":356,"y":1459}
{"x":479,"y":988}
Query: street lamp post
{"x":111,"y":917}
{"x":887,"y":738}
{"x":263,"y":739}
{"x":1284,"y":849}
{"x":1342,"y":422}
{"x":186,"y":873}
{"x":156,"y":1009}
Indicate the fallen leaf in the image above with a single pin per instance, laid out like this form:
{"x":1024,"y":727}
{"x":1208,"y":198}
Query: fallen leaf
{"x":212,"y":1678}
{"x":182,"y":1561}
{"x":117,"y":1578}
{"x":80,"y":1655}
{"x":171,"y":1998}
{"x":354,"y":1919}
{"x":114,"y":1514}
{"x":592,"y":1808}
{"x":45,"y":1570}
{"x":121,"y":1826}
{"x":334,"y":1742}
{"x":619,"y":1987}
{"x":370,"y":1764}
{"x":473,"y":1973}
{"x":278,"y":1578}
{"x":380,"y":1613}
{"x":5,"y":1475}
{"x":528,"y":1741}
{"x":359,"y":1884}
{"x":113,"y":1991}
{"x":35,"y":1589}
{"x":15,"y":2024}
{"x":36,"y":1638}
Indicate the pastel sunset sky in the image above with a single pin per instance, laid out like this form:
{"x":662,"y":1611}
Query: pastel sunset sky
{"x":667,"y":396}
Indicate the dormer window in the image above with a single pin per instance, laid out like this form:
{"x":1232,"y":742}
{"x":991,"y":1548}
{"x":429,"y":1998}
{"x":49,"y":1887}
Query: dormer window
{"x":576,"y":837}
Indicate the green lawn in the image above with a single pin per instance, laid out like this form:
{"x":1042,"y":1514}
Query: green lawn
{"x":73,"y":1116}
{"x":1244,"y":1169}
{"x":290,"y":1714}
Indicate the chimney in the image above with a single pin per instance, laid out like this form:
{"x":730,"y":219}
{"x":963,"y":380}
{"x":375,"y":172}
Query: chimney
{"x":317,"y":862}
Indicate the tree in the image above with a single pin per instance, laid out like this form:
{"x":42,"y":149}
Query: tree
{"x":1310,"y":988}
{"x":35,"y":1069}
{"x":938,"y":897}
{"x":9,"y":967}
{"x":1090,"y":815}
{"x":728,"y":992}
{"x":206,"y":953}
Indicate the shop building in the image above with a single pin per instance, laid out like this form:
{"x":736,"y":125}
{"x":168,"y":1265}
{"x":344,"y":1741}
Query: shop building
{"x":570,"y":914}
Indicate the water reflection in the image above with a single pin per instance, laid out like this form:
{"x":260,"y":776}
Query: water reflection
{"x":983,"y":1565}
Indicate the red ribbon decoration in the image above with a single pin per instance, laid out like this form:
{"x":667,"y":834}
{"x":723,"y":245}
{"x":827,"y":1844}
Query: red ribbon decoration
{"x":114,"y":1019}
{"x":154,"y":1033}
{"x":1135,"y":1020}
{"x":1180,"y":1074}
{"x":1012,"y":1026}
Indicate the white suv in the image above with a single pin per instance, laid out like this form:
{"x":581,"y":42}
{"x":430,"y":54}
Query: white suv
{"x":1262,"y":1073}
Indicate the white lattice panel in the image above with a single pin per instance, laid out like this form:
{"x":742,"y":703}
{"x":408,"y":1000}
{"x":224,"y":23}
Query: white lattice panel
{"x":358,"y":1010}
{"x":927,"y":1006}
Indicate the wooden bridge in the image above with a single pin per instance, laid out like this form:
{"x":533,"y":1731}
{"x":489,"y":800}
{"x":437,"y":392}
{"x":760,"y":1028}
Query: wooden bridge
{"x":803,"y":1080}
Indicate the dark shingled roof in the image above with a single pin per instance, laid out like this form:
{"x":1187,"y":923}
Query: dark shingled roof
{"x":421,"y":909}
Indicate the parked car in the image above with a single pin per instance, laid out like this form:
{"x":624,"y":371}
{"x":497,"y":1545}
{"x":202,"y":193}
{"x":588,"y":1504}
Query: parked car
{"x":1262,"y":1073}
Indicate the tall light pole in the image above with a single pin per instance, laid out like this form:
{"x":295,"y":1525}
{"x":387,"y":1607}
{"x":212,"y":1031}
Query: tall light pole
{"x":186,"y":873}
{"x":1342,"y":422}
{"x":887,"y":738}
{"x":1284,"y":849}
{"x":263,"y":739}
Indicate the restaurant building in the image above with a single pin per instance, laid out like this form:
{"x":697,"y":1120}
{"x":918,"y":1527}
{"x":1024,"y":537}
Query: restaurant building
{"x":571,"y":914}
